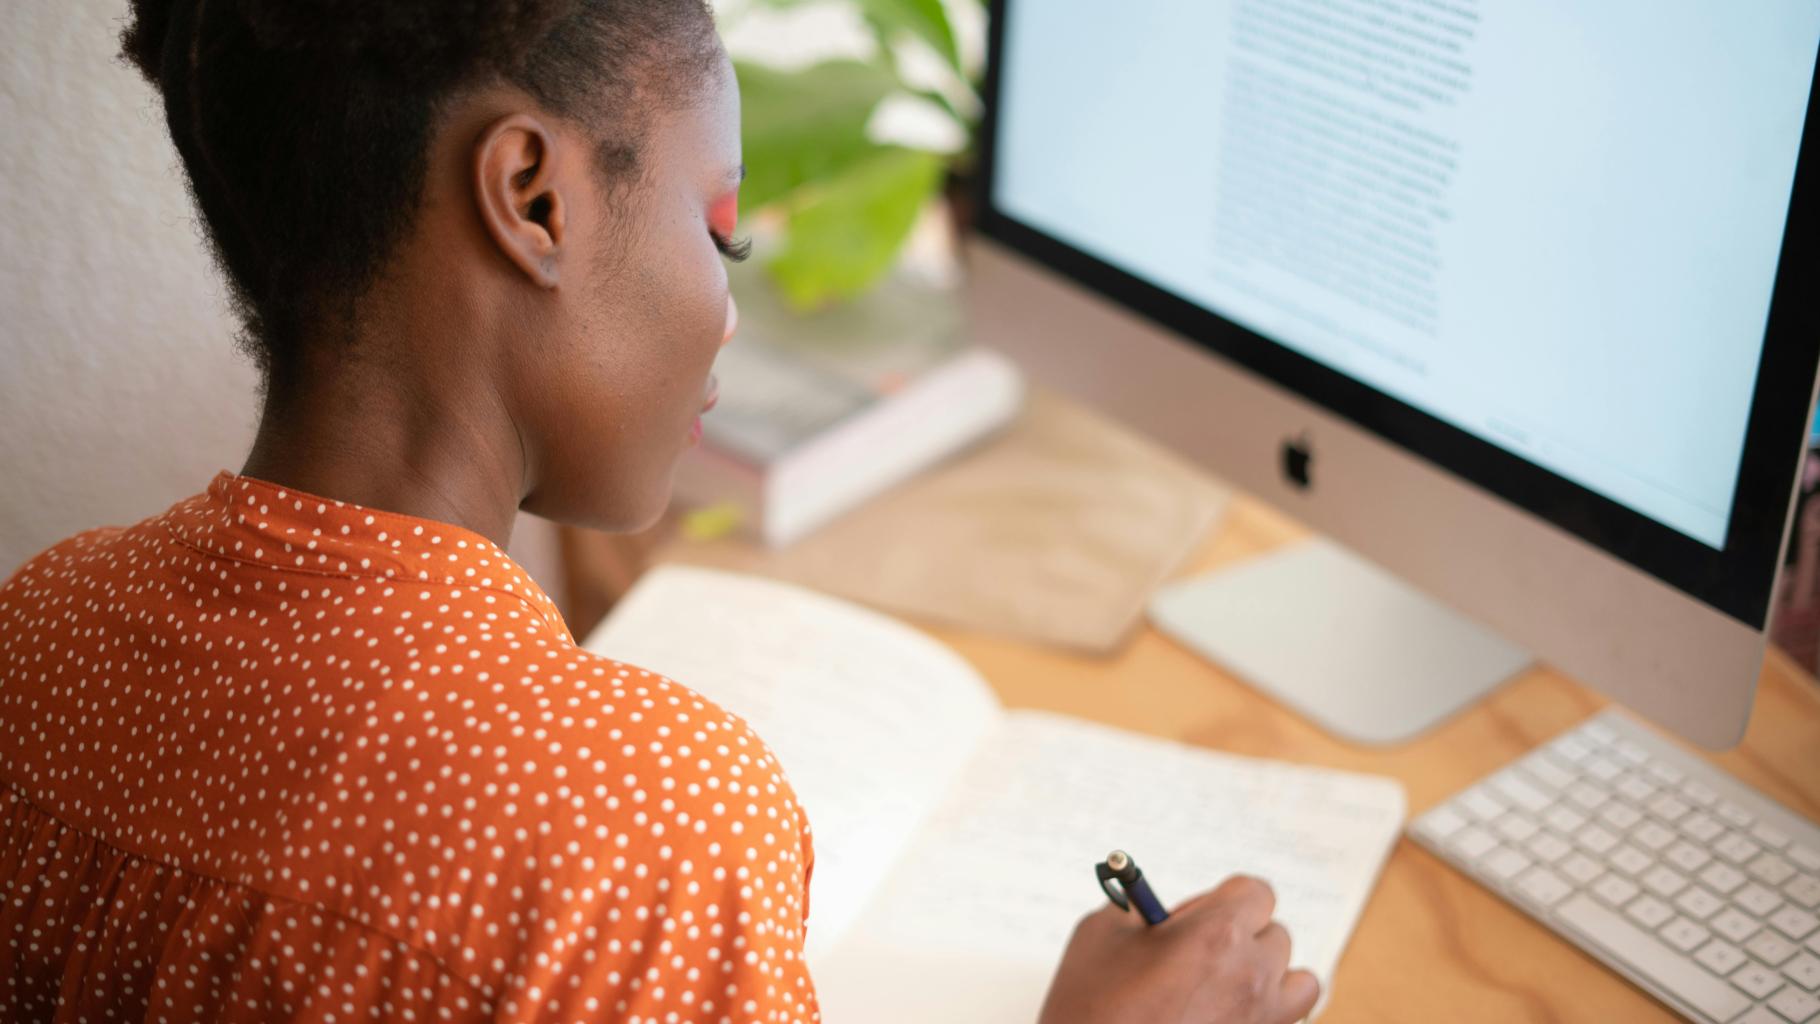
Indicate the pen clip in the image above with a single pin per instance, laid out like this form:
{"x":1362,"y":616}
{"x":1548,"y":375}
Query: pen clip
{"x":1115,"y":893}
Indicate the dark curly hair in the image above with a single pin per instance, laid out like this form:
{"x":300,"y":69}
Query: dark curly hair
{"x":303,"y":125}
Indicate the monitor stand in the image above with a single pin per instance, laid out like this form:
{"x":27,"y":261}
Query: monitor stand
{"x":1338,"y":640}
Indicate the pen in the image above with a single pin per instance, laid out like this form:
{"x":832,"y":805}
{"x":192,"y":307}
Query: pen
{"x":1131,"y":889}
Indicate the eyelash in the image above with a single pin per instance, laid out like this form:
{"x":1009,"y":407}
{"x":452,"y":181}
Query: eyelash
{"x":734,"y":249}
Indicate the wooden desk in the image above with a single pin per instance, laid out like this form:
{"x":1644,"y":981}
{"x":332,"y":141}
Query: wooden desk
{"x":1432,"y":945}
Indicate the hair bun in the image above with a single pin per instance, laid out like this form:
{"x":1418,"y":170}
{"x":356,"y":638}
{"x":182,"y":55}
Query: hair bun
{"x":401,"y":33}
{"x":143,"y":41}
{"x":397,"y":35}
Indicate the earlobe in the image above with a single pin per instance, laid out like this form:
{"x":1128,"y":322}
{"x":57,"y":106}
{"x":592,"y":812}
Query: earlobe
{"x":518,"y":197}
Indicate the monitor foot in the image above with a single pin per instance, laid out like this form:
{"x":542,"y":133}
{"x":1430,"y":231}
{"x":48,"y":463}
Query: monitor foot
{"x":1338,"y":640}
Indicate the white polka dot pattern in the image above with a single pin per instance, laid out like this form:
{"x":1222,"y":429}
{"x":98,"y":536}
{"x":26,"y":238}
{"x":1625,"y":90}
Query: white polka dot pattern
{"x":268,"y":757}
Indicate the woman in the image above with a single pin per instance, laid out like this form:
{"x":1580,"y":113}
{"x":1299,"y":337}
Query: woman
{"x":308,"y":746}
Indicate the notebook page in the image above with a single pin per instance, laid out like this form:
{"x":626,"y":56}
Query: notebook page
{"x":980,"y":908}
{"x":871,"y":720}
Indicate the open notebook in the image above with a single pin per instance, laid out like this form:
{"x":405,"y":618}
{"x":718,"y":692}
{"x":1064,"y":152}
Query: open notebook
{"x":954,"y":839}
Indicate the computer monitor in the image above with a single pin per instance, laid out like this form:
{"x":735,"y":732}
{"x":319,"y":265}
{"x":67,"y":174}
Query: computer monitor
{"x":1520,"y":302}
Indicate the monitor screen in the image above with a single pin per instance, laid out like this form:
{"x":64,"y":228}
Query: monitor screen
{"x":1553,"y":225}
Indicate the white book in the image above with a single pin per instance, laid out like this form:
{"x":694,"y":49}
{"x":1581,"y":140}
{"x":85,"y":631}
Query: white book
{"x":819,"y":412}
{"x":955,"y":839}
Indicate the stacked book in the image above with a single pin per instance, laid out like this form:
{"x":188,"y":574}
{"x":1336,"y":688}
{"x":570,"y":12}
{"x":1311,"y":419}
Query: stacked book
{"x":819,"y":412}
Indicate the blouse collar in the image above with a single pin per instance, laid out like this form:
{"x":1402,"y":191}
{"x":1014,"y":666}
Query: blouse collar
{"x":260,"y":523}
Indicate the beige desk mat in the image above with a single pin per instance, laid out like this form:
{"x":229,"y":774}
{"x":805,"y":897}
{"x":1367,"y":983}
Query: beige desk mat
{"x":1057,"y":530}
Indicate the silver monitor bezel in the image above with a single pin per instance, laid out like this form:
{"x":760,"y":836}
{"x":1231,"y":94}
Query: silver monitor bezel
{"x":1605,"y":593}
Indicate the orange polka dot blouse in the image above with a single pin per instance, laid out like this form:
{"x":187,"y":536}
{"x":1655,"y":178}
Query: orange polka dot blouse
{"x":267,"y":757}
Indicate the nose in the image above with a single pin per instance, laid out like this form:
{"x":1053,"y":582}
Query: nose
{"x":732,"y":320}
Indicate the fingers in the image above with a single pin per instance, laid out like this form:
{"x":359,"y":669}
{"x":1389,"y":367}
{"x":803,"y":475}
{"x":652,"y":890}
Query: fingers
{"x":1299,"y":994}
{"x":1273,"y":946}
{"x":1249,"y":900}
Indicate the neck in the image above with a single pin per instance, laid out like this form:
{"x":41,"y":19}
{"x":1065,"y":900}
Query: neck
{"x":375,"y":437}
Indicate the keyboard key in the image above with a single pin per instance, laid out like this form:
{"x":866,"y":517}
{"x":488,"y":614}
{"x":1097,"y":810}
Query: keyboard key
{"x":1597,"y":733}
{"x":1587,"y":796}
{"x":1514,"y":788}
{"x":1796,"y":1005}
{"x":1631,"y":752}
{"x":1719,"y":957}
{"x":1548,"y":771}
{"x":1664,"y":881}
{"x":1564,"y":820}
{"x":1760,"y":1015}
{"x":1473,"y":842}
{"x":1652,"y":836}
{"x":1757,"y":900}
{"x":1699,"y":793}
{"x":1668,"y":808}
{"x":1543,"y":886}
{"x":1504,"y":863}
{"x":1582,"y":869}
{"x":1735,"y":925}
{"x":1770,"y":948}
{"x":1666,"y":773}
{"x":1803,"y":857}
{"x":1602,"y":769}
{"x":1804,"y":970}
{"x":1620,"y":815}
{"x":1769,"y":835}
{"x":1571,"y":748}
{"x":1648,"y":911}
{"x":1756,"y":979}
{"x":1683,"y":934}
{"x":1698,"y":903}
{"x":1722,"y":878}
{"x":1735,"y":814}
{"x":1635,"y":788}
{"x":1794,"y":922}
{"x":1687,"y":857}
{"x":1515,"y":827}
{"x":1643,"y":953}
{"x":1736,"y":848}
{"x":1440,"y":823}
{"x":1773,"y":870}
{"x":1701,"y":827}
{"x":1803,"y":891}
{"x":1481,"y":805}
{"x":1596,"y":839}
{"x":1547,"y":847}
{"x":1618,"y":890}
{"x":1630,"y":860}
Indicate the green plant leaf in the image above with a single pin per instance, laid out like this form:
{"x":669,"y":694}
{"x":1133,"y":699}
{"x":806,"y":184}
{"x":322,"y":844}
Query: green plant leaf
{"x":846,"y":233}
{"x":805,"y":126}
{"x":926,"y":18}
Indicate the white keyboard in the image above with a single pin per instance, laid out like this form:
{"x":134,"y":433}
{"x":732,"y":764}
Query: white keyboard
{"x":1669,"y":871}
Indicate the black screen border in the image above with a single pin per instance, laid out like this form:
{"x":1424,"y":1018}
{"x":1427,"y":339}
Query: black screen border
{"x":1735,"y":580}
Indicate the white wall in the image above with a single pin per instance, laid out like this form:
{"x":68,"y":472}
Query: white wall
{"x":120,"y":390}
{"x":120,"y":387}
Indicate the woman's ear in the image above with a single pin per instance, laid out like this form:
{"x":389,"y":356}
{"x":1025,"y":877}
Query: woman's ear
{"x":519,"y":197}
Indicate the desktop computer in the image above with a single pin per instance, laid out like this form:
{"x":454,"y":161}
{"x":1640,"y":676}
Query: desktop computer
{"x":1519,"y":305}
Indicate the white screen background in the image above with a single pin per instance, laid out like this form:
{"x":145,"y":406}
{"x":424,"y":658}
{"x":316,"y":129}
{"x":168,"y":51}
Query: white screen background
{"x":1552,"y":224}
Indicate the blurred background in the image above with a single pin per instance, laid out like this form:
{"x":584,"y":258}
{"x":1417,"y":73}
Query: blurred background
{"x":122,"y":390}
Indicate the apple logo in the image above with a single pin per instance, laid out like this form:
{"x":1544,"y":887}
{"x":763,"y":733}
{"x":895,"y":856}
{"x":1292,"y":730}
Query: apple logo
{"x":1297,"y":454}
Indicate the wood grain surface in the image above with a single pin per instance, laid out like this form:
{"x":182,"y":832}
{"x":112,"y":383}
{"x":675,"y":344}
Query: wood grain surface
{"x":1432,"y":945}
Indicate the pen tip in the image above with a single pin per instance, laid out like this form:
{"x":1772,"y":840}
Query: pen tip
{"x":1117,"y":859}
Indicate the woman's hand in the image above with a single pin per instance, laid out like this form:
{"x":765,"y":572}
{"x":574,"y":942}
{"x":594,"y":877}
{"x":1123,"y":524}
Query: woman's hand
{"x":1218,"y":959}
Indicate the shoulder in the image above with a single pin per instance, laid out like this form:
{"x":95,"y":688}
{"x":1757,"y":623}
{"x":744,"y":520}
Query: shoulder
{"x":559,"y":793}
